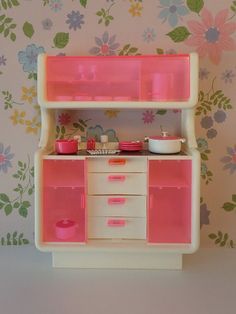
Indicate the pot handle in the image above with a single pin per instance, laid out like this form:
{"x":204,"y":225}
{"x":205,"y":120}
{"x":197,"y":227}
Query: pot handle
{"x":182,"y":140}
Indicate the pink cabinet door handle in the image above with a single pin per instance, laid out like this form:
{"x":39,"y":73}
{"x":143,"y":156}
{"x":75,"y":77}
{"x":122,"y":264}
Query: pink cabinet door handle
{"x":117,"y":161}
{"x":151,"y":201}
{"x":82,"y":200}
{"x":116,"y":178}
{"x":116,"y":222}
{"x":116,"y":200}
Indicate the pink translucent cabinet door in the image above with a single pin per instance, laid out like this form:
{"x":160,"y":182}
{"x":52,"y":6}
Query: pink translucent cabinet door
{"x":117,"y":78}
{"x":92,"y":78}
{"x":63,"y":205}
{"x":166,"y":78}
{"x":169,"y":206}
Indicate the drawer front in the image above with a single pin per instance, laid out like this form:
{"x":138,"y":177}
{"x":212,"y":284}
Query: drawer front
{"x":117,"y":164}
{"x":117,"y":205}
{"x":116,"y":228}
{"x":117,"y":183}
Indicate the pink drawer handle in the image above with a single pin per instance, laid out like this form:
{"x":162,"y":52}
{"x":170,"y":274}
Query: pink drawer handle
{"x":116,"y":178}
{"x":116,"y":222}
{"x":117,"y":161}
{"x":116,"y":200}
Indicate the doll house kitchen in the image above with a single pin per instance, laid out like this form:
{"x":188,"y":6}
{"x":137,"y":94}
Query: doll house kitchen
{"x":131,"y":204}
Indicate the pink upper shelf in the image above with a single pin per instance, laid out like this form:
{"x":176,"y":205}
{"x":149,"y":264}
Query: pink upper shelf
{"x":118,"y":78}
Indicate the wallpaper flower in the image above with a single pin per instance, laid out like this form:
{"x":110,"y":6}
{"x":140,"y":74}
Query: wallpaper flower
{"x":114,"y":27}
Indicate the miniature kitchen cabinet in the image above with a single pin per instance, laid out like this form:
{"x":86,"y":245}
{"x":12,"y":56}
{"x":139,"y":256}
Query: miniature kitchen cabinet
{"x":127,"y":210}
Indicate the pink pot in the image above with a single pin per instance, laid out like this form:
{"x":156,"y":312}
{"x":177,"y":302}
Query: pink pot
{"x":66,"y":146}
{"x":165,"y":144}
{"x":66,"y":229}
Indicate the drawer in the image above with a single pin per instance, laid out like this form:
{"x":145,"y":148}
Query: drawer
{"x":117,"y":183}
{"x":116,"y":228}
{"x":117,"y":164}
{"x":117,"y":205}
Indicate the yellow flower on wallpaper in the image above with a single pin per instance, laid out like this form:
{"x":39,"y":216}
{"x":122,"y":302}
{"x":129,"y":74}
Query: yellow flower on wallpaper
{"x":18,"y":117}
{"x":111,"y":113}
{"x":37,"y":108}
{"x":32,"y":125}
{"x":135,"y":8}
{"x":28,"y":94}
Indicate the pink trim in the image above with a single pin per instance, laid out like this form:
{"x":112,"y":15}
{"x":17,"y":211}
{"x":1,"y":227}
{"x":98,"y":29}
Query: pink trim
{"x":116,"y":222}
{"x":164,"y":138}
{"x":117,"y":161}
{"x":116,"y":200}
{"x":116,"y":178}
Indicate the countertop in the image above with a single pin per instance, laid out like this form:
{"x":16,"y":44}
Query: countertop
{"x":29,"y":285}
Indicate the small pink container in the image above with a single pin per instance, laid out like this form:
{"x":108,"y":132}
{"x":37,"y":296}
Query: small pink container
{"x":65,"y":229}
{"x":66,"y":146}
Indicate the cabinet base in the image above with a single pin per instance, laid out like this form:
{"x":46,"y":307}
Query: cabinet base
{"x":119,"y":260}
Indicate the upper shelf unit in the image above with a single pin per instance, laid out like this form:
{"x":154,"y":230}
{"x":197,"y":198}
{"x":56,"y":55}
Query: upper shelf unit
{"x":150,"y":81}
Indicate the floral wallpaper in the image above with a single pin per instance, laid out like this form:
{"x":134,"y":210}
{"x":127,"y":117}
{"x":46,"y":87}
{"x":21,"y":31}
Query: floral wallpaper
{"x":118,"y":27}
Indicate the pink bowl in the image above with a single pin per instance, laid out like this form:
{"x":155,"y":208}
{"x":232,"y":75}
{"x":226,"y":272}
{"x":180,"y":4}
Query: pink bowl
{"x":66,"y":146}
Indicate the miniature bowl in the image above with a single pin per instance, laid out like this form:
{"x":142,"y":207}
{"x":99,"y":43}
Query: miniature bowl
{"x":66,"y":146}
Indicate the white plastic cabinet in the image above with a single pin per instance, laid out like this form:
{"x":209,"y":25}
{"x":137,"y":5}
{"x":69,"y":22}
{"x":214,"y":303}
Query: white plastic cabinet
{"x":136,"y":210}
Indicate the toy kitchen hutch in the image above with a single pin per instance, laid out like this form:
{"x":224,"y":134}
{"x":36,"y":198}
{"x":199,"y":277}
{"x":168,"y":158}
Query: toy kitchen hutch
{"x":131,"y":209}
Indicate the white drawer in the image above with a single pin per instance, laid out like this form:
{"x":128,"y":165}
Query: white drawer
{"x":116,"y":228}
{"x":117,"y":164}
{"x":117,"y":183}
{"x":117,"y":205}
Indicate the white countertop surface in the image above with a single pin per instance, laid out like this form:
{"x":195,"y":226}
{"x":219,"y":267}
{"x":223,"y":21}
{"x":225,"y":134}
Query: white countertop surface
{"x":29,"y":285}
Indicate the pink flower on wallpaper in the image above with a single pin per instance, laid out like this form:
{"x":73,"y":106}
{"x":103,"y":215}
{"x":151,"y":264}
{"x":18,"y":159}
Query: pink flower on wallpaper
{"x":64,"y":118}
{"x":212,"y":36}
{"x":148,"y":116}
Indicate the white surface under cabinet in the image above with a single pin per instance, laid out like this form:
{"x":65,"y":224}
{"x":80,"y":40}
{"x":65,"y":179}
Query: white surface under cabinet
{"x":30,"y":285}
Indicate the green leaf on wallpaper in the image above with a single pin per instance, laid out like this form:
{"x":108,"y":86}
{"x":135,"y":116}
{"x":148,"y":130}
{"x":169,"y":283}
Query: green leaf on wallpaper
{"x":4,"y":198}
{"x":23,"y":210}
{"x":83,"y":3}
{"x":13,"y":36}
{"x":28,"y":29}
{"x":159,"y":51}
{"x":128,"y":50}
{"x":233,"y":6}
{"x":4,"y":4}
{"x":204,"y":156}
{"x":212,"y":236}
{"x":6,"y":27}
{"x":179,"y":34}
{"x":234,"y":198}
{"x":8,"y":209}
{"x":61,"y":39}
{"x":16,"y":204}
{"x":8,"y":4}
{"x":13,"y":239}
{"x":195,"y":5}
{"x":221,"y":239}
{"x":161,"y":112}
{"x":228,"y":207}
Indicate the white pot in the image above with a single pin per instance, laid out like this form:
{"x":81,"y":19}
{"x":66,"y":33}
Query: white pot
{"x":165,"y":144}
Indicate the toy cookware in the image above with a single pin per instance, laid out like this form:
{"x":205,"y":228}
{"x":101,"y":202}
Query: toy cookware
{"x":164,"y":144}
{"x":66,"y":146}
